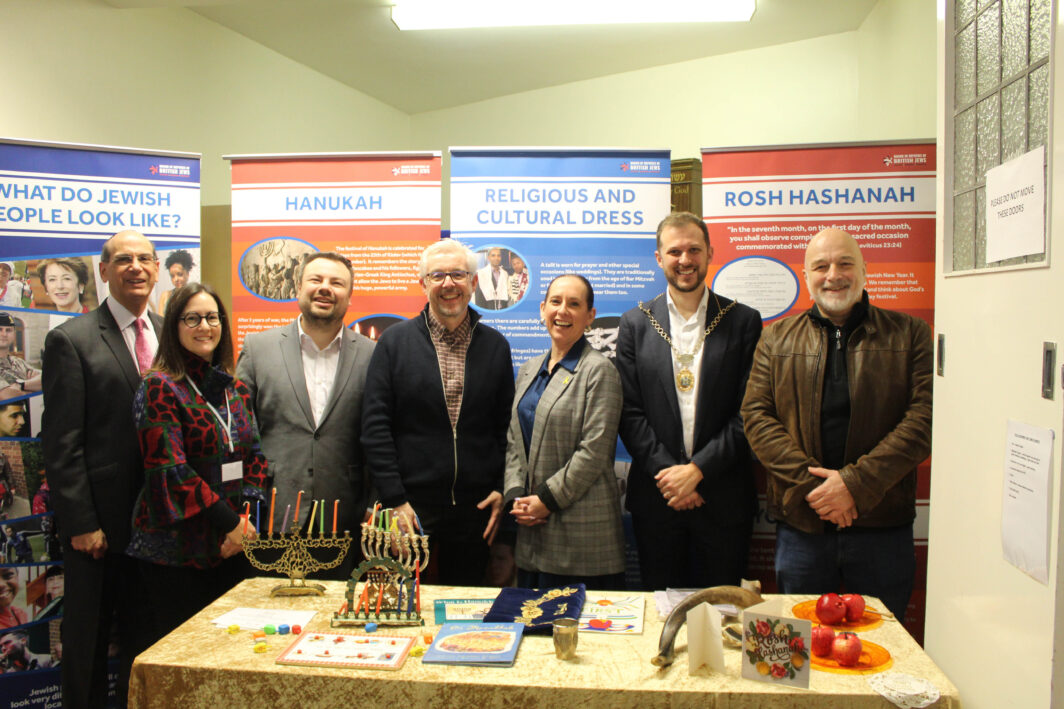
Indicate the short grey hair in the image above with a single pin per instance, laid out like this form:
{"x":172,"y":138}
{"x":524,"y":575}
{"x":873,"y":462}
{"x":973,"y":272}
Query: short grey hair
{"x":446,"y":246}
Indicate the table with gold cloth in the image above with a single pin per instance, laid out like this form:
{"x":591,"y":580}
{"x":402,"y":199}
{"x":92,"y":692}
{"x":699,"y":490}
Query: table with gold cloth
{"x":201,"y":665}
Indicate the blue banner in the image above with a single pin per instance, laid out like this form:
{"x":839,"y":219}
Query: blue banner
{"x":58,"y":204}
{"x":532,"y":215}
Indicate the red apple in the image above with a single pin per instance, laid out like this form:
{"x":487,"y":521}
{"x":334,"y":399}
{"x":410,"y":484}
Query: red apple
{"x":823,"y":640}
{"x":846,"y":650}
{"x":854,"y":607}
{"x":830,"y":609}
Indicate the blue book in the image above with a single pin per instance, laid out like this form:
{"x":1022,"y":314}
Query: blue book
{"x":486,"y":644}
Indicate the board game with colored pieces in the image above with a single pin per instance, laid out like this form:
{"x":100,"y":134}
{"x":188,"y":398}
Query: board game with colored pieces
{"x":377,"y":652}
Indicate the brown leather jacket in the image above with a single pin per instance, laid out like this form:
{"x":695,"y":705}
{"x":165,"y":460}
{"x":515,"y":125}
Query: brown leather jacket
{"x":889,"y":369}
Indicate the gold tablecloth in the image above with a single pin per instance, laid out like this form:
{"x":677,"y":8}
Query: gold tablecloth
{"x":200,"y":665}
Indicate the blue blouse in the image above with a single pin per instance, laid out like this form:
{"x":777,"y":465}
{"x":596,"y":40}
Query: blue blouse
{"x":526,"y":408}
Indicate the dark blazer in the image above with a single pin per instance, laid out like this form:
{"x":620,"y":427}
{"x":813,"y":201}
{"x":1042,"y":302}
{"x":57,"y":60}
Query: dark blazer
{"x":651,"y":428}
{"x":325,"y":461}
{"x":91,"y":455}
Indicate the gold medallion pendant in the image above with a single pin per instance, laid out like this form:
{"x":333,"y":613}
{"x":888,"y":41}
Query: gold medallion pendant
{"x":685,"y":381}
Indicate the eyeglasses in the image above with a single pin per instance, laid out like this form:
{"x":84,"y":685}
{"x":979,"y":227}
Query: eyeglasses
{"x":193,"y":320}
{"x":123,"y":260}
{"x":440,"y":276}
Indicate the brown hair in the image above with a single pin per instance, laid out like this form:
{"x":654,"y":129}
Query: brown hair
{"x":683,"y":219}
{"x":170,"y":359}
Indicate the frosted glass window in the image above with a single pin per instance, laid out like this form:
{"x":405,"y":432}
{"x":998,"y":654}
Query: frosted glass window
{"x":965,"y":66}
{"x":1014,"y":37}
{"x":1014,"y":120}
{"x":1040,"y":21}
{"x":988,"y":49}
{"x":1000,"y":71}
{"x":988,"y":135}
{"x":964,"y":151}
{"x":964,"y":231}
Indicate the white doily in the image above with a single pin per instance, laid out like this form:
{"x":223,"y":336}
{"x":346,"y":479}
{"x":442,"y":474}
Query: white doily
{"x":904,"y":690}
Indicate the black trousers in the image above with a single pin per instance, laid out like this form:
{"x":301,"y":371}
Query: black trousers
{"x":456,"y":541}
{"x":688,"y":550}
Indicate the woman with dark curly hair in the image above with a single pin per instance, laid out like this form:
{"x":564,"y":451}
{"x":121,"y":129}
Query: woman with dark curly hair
{"x":202,"y":462}
{"x":179,"y":265}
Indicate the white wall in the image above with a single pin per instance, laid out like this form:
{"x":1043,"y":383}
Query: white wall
{"x":991,"y":628}
{"x":78,"y":71}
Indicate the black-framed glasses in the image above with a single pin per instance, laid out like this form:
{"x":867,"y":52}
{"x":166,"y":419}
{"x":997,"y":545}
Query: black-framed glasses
{"x":193,"y":320}
{"x":440,"y":276}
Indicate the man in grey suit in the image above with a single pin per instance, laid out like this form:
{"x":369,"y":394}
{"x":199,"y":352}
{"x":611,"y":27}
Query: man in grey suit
{"x":306,"y":380}
{"x":91,"y":370}
{"x":684,"y":359}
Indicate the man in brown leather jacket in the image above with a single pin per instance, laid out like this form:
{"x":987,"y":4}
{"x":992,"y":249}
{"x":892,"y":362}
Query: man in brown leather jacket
{"x":838,"y":411}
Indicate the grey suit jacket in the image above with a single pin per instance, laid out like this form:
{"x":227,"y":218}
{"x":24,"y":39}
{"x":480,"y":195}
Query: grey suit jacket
{"x":571,"y":452}
{"x":323,"y":461}
{"x":91,"y":454}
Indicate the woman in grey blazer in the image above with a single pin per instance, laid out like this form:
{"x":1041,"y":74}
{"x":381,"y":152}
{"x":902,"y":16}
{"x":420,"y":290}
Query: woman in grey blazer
{"x":559,"y":454}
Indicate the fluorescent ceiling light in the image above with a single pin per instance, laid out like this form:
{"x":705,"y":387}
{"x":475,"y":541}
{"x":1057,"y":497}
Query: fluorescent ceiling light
{"x":452,"y":14}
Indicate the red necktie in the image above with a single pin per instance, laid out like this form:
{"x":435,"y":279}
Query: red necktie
{"x":141,"y":346}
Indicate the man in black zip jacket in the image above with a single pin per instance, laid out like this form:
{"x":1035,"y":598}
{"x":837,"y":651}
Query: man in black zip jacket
{"x":435,"y":438}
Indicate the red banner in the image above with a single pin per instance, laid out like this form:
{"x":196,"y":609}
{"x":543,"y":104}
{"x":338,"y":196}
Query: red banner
{"x":762,"y":205}
{"x":378,"y":209}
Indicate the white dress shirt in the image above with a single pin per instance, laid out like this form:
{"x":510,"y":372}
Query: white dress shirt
{"x":125,"y":319}
{"x":686,"y":334}
{"x":319,"y":369}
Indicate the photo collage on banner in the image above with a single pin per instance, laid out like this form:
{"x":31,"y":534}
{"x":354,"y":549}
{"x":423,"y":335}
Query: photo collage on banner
{"x":58,"y":204}
{"x":377,"y":209}
{"x":762,"y":205}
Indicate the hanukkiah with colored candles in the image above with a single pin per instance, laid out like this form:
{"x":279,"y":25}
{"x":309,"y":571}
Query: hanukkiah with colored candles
{"x":293,"y":550}
{"x":396,"y":551}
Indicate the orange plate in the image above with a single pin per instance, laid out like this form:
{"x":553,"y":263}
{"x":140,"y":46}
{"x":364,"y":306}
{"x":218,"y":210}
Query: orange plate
{"x":874,"y":658}
{"x":806,"y":610}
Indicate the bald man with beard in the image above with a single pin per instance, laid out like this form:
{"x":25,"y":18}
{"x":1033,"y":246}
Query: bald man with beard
{"x":838,"y":411}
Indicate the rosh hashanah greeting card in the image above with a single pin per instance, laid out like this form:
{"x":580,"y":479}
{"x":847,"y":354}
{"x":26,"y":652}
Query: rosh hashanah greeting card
{"x":775,"y":646}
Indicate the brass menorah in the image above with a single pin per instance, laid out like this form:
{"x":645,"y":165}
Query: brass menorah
{"x":296,"y":560}
{"x":390,"y":576}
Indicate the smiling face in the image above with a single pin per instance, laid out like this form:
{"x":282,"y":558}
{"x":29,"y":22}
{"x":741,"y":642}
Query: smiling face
{"x":8,"y":585}
{"x":178,"y":275}
{"x":565,"y":312}
{"x":203,"y":339}
{"x":517,"y":263}
{"x":325,"y":291}
{"x":684,"y":257}
{"x":834,"y":273}
{"x":131,"y":271}
{"x":448,"y":300}
{"x":495,"y":258}
{"x":61,"y":285}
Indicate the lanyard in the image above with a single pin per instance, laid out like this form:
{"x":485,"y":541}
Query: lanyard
{"x":218,"y":416}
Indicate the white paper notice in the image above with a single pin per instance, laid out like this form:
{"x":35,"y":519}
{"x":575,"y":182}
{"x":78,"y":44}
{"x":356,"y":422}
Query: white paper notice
{"x":1025,"y":499}
{"x":1015,"y":207}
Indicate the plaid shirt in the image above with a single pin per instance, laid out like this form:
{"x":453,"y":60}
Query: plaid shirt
{"x":451,"y":347}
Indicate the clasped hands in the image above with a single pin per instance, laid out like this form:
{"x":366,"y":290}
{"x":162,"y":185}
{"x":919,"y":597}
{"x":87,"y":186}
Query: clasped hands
{"x":831,"y":499}
{"x":677,"y":485}
{"x":529,"y":511}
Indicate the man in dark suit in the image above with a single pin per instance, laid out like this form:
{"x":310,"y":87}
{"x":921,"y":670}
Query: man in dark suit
{"x":306,"y":380}
{"x":684,"y":359}
{"x":92,"y":369}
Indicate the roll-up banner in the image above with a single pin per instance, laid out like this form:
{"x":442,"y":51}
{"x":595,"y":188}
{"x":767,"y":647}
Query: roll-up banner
{"x":59,"y":202}
{"x":762,"y":205}
{"x":531,"y":214}
{"x":378,"y":209}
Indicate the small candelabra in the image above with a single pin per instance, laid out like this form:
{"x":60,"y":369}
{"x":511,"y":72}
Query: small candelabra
{"x":390,"y":576}
{"x":296,"y":560}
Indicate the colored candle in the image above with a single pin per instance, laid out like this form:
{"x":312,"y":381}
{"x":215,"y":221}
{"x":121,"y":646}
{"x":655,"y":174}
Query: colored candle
{"x":273,"y":501}
{"x":247,"y":513}
{"x":284,"y":524}
{"x":336,"y":511}
{"x":295,"y":520}
{"x":321,"y":526}
{"x":310,"y":524}
{"x":258,"y":517}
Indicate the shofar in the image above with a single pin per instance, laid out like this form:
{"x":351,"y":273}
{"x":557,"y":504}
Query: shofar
{"x":739,"y":597}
